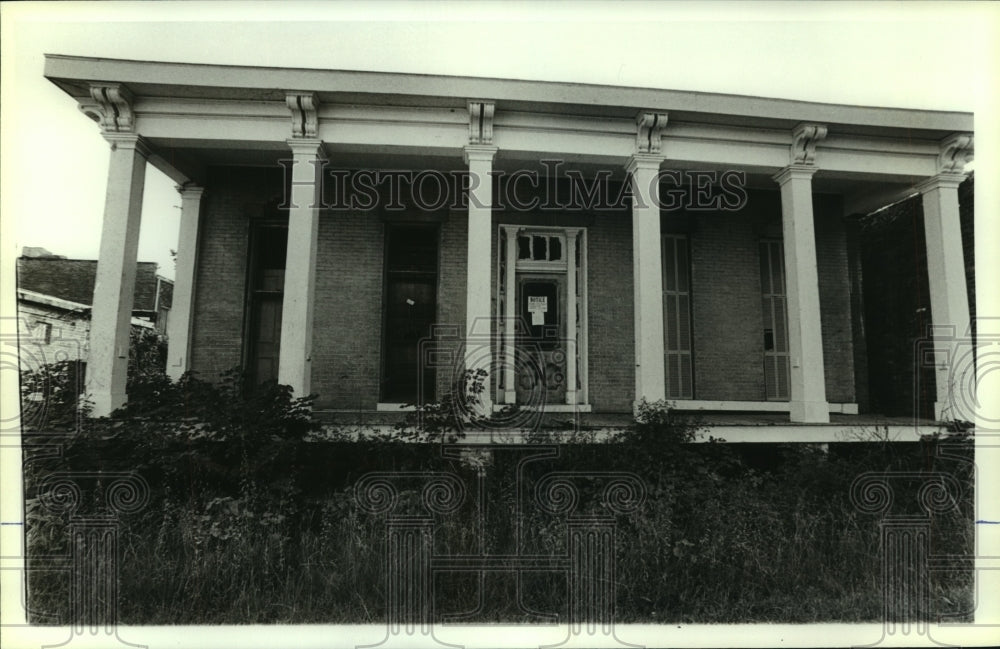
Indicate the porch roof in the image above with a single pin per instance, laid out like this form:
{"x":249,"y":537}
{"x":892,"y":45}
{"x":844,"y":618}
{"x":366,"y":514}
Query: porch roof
{"x":227,"y":82}
{"x":197,"y":115}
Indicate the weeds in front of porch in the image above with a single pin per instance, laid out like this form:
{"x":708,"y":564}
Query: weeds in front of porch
{"x":459,"y":409}
{"x":247,"y":524}
{"x":445,"y":420}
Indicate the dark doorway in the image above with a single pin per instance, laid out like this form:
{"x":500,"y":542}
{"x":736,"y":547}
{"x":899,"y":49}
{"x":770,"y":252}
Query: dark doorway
{"x":411,"y":261}
{"x":268,"y":248}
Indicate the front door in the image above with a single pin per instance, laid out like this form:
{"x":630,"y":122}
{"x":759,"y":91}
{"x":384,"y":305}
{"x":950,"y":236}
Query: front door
{"x":541,"y":307}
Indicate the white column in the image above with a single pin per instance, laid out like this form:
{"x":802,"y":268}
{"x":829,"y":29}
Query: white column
{"x":643,"y":168}
{"x":295,"y":354}
{"x":805,"y":338}
{"x":111,"y":314}
{"x":949,"y":294}
{"x":182,"y":305}
{"x":571,"y":346}
{"x":477,"y":295}
{"x":510,"y":318}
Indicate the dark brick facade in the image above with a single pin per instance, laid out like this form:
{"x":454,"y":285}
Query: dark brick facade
{"x":726,"y":307}
{"x":347,"y":321}
{"x":233,"y":196}
{"x":834,"y":299}
{"x":726,"y":298}
{"x":897,"y":301}
{"x":728,"y":338}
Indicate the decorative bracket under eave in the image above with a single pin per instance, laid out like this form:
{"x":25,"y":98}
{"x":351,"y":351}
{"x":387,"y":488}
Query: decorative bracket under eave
{"x":804,"y":139}
{"x":481,"y":122}
{"x":648,"y":131}
{"x":305,"y":119}
{"x":956,"y":150}
{"x":111,"y":107}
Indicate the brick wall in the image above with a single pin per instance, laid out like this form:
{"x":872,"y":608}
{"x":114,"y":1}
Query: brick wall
{"x":834,"y":299}
{"x":347,"y":322}
{"x":726,"y":306}
{"x":897,"y":301}
{"x":349,"y":277}
{"x":726,"y":298}
{"x":451,"y":299}
{"x":232,"y":196}
{"x":611,"y":313}
{"x":348,"y":314}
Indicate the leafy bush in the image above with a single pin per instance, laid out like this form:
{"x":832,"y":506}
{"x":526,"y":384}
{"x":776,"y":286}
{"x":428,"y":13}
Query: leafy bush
{"x":51,"y":396}
{"x":147,"y":354}
{"x":220,"y":458}
{"x":249,"y":524}
{"x":459,"y":409}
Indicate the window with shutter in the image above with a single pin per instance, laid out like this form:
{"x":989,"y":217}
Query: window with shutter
{"x":774,"y":308}
{"x":677,"y":317}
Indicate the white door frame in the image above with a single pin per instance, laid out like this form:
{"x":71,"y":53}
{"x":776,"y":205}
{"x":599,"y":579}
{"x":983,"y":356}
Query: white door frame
{"x":572,"y":239}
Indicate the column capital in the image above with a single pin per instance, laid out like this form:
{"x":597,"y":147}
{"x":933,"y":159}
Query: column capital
{"x":794,"y":172}
{"x":478,"y":153}
{"x":305,"y":118}
{"x":306,"y":146}
{"x":111,"y":107}
{"x":804,"y":139}
{"x":638,"y":161}
{"x":189,"y":190}
{"x":481,"y":121}
{"x":956,"y":150}
{"x":128,"y":141}
{"x":649,"y":131}
{"x":941,"y":181}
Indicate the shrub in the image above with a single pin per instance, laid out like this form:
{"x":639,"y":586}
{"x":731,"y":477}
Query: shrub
{"x":458,"y":410}
{"x":51,"y":396}
{"x":233,"y":534}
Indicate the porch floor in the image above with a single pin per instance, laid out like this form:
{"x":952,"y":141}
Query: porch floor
{"x":748,"y":427}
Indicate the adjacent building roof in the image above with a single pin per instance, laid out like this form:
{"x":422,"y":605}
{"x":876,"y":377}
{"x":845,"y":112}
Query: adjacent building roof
{"x":73,"y":280}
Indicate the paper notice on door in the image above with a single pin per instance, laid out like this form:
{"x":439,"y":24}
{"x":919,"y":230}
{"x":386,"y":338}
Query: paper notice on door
{"x":538,"y":305}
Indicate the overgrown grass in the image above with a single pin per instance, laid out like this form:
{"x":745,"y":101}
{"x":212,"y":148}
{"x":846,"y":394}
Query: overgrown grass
{"x":247,"y":523}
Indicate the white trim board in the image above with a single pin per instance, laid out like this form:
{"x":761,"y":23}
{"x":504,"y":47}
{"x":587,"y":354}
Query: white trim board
{"x":752,"y":406}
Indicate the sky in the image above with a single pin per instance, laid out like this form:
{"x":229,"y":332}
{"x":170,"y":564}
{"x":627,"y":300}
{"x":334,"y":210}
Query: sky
{"x":53,"y":167}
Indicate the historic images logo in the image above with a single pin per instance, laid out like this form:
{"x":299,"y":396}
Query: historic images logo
{"x":551,"y":188}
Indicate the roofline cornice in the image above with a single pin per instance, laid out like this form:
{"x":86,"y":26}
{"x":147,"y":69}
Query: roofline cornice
{"x":230,"y":79}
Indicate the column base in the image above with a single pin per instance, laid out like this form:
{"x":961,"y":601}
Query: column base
{"x":482,"y":410}
{"x":176,"y":370}
{"x":105,"y":402}
{"x":957,"y":401}
{"x":947,"y":411}
{"x":809,"y":412}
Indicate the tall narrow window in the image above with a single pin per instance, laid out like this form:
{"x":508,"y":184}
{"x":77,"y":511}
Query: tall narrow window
{"x":268,"y":248}
{"x":677,"y":317}
{"x":411,"y":260}
{"x":774,"y":308}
